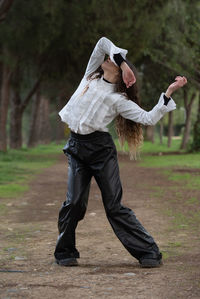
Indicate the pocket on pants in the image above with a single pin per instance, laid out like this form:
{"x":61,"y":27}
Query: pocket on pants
{"x":71,"y":147}
{"x":65,"y":148}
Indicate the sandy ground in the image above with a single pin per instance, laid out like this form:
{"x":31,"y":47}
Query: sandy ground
{"x":28,"y":232}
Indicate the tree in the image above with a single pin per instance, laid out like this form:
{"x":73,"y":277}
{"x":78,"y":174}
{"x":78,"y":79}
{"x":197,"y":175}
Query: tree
{"x":44,"y":45}
{"x":48,"y":45}
{"x":32,"y":138}
{"x":196,"y":131}
{"x":170,"y":128}
{"x":18,"y":40}
{"x":188,"y":102}
{"x":177,"y":48}
{"x":4,"y":101}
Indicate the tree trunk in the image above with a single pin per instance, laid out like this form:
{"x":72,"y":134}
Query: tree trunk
{"x":16,"y":114}
{"x":33,"y":133}
{"x":170,"y":128}
{"x":186,"y":133}
{"x":60,"y":126}
{"x":188,"y":110}
{"x":43,"y":123}
{"x":161,"y":131}
{"x":18,"y":107}
{"x":149,"y":133}
{"x":196,"y":132}
{"x":4,"y":101}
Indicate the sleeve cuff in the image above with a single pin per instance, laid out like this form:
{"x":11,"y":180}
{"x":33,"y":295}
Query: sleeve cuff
{"x":116,"y":50}
{"x":171,"y":105}
{"x":118,"y":59}
{"x":166,"y":100}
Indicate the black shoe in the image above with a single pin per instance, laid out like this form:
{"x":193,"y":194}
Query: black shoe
{"x":151,"y":262}
{"x":72,"y":261}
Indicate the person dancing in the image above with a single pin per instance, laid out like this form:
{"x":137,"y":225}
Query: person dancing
{"x":107,"y":91}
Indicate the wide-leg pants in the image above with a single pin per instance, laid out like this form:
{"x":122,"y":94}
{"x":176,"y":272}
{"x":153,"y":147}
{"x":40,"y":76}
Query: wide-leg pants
{"x":95,"y":155}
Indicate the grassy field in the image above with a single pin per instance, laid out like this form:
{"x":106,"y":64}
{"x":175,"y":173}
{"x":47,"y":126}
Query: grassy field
{"x":177,"y":167}
{"x":153,"y":148}
{"x":157,"y":155}
{"x":18,"y":167}
{"x":179,"y":160}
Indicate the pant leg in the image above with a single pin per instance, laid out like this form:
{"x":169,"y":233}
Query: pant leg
{"x":126,"y":226}
{"x":73,"y":209}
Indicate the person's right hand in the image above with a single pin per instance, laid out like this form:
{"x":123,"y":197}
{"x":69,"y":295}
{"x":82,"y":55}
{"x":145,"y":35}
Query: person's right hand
{"x":179,"y":82}
{"x":127,"y":75}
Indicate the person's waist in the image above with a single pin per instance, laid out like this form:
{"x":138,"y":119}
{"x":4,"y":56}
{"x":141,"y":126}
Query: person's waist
{"x":89,"y":136}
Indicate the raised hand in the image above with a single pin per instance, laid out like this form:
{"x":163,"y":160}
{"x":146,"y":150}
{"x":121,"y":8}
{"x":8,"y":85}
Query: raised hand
{"x":179,"y":82}
{"x":127,"y":75}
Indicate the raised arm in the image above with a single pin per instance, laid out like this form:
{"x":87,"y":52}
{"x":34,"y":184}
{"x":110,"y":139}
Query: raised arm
{"x":130,"y":110}
{"x":104,"y":46}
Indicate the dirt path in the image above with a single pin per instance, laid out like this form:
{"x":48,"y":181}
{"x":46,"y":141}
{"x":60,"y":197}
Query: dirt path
{"x":106,"y":270}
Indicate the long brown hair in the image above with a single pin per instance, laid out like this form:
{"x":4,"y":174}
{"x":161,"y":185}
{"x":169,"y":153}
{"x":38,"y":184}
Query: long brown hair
{"x":127,"y":130}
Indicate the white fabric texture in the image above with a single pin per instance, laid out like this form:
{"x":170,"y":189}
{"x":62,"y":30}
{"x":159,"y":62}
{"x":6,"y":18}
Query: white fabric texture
{"x":95,"y":103}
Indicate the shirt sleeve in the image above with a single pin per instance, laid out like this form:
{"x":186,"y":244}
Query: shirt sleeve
{"x":130,"y":110}
{"x":104,"y":46}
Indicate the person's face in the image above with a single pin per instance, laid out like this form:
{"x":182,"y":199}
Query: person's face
{"x":109,"y":66}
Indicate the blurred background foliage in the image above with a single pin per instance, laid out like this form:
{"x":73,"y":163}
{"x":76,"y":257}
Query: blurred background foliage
{"x":45,"y":46}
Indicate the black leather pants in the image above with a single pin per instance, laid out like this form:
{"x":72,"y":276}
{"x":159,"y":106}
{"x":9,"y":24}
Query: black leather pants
{"x":95,"y":155}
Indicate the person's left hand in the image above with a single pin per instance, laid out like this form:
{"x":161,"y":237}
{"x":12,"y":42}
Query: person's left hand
{"x":127,"y":75}
{"x":179,"y":82}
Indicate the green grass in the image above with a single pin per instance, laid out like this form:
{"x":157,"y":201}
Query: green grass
{"x":18,"y":167}
{"x":190,"y":180}
{"x":12,"y":190}
{"x":183,"y":160}
{"x":172,"y":249}
{"x":175,"y":244}
{"x":156,"y":147}
{"x":149,"y":147}
{"x":155,"y":155}
{"x":165,"y":254}
{"x":192,"y":201}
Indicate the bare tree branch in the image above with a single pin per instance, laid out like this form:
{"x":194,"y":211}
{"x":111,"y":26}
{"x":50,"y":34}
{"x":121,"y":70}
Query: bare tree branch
{"x":31,"y":93}
{"x":193,"y":80}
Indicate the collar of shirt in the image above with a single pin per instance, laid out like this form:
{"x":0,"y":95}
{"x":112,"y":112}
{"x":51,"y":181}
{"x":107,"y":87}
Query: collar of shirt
{"x":107,"y":86}
{"x":106,"y":80}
